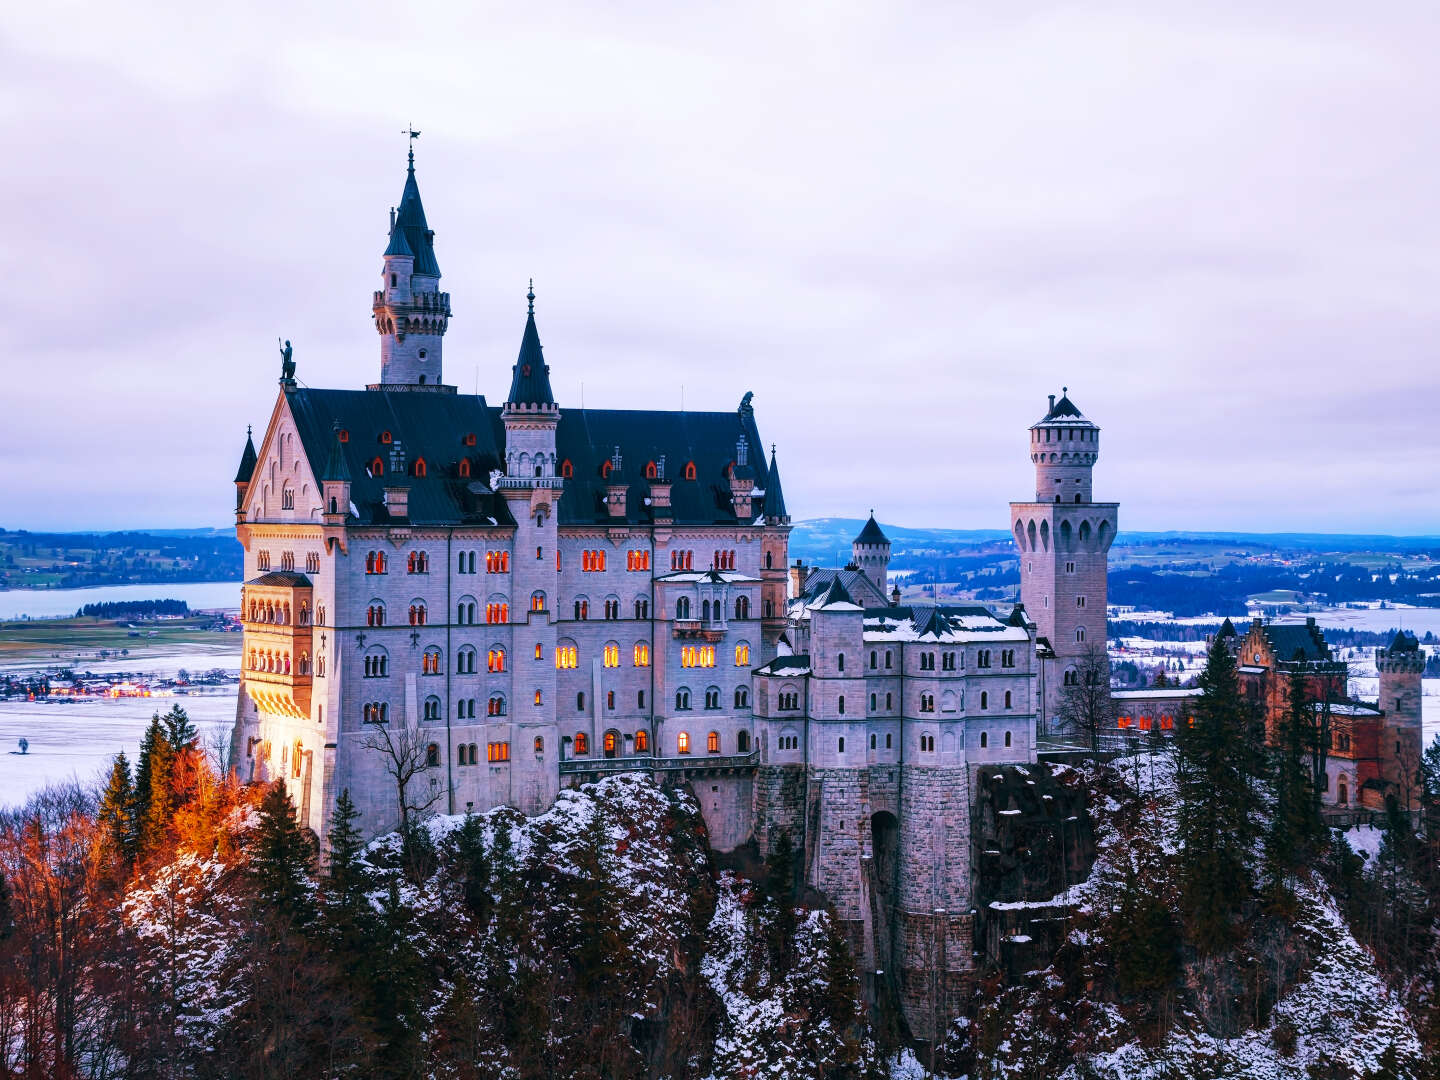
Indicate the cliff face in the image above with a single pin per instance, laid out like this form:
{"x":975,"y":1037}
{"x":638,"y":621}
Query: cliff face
{"x":1123,"y":995}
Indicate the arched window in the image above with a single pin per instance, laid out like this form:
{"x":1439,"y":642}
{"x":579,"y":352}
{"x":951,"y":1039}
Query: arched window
{"x":1007,"y":738}
{"x":582,"y":610}
{"x":418,"y":469}
{"x":377,"y":467}
{"x":984,"y":699}
{"x":984,"y":738}
{"x":582,"y":743}
{"x":1007,"y":699}
{"x":495,"y":706}
{"x":712,"y":743}
{"x":840,"y":704}
{"x":640,"y":656}
{"x":495,"y":659}
{"x":612,"y":654}
{"x":742,"y":607}
{"x":742,"y":654}
{"x":742,"y":697}
{"x":682,"y":742}
{"x":651,"y":472}
{"x":537,"y":601}
{"x":539,"y":745}
{"x":682,"y":699}
{"x":566,"y":469}
{"x":464,"y":467}
{"x":642,"y":741}
{"x":742,"y":742}
{"x":430,"y":661}
{"x":580,"y":701}
{"x":689,"y":470}
{"x":840,"y":661}
{"x":432,"y":708}
{"x":705,"y":610}
{"x":682,"y":608}
{"x":1080,"y":634}
{"x":609,"y":743}
{"x":712,"y":698}
{"x":432,"y":755}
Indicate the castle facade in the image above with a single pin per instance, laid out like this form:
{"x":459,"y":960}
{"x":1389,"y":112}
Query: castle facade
{"x":451,"y":605}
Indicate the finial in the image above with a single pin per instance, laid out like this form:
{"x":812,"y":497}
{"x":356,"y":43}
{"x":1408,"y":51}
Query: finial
{"x":772,"y":449}
{"x":1064,"y":390}
{"x":530,"y":296}
{"x":248,"y":431}
{"x":412,"y":134}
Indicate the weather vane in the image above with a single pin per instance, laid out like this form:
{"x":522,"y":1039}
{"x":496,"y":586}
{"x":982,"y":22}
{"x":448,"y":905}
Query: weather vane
{"x":412,"y":134}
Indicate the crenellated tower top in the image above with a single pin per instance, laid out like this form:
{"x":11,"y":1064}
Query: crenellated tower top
{"x":1064,"y":445}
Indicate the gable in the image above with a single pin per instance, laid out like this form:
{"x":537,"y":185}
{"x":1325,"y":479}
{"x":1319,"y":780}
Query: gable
{"x":284,"y":486}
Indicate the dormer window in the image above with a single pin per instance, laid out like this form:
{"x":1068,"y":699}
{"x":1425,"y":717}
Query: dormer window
{"x":418,"y":469}
{"x":465,"y":467}
{"x":343,"y":435}
{"x":689,"y":470}
{"x":605,"y":471}
{"x":650,"y":471}
{"x":385,"y":438}
{"x":469,"y":439}
{"x":566,"y":469}
{"x":377,"y":467}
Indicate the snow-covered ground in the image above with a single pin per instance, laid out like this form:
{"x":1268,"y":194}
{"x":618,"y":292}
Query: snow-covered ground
{"x":76,"y":738}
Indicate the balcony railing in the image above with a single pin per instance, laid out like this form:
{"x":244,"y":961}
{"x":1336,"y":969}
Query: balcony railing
{"x":647,"y":763}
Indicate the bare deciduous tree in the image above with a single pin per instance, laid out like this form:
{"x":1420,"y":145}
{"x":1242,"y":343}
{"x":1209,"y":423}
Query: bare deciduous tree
{"x":1086,"y":706}
{"x":405,"y":752}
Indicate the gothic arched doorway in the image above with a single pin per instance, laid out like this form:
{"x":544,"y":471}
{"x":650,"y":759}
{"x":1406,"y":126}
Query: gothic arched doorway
{"x":610,"y":744}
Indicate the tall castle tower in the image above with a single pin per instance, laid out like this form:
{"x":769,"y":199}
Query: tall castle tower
{"x":870,"y":551}
{"x":1401,"y":667}
{"x":411,"y":314}
{"x":531,"y":487}
{"x":1063,"y":538}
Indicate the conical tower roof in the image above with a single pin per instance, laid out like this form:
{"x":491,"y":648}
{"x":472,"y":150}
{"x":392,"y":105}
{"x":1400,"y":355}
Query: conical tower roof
{"x":872,"y":533}
{"x":774,"y":494}
{"x":336,"y":470}
{"x":247,"y":461}
{"x":530,"y":380}
{"x":411,"y":234}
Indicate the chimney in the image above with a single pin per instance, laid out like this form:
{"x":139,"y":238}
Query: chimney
{"x":660,"y":493}
{"x":397,"y":501}
{"x":615,"y":490}
{"x":1052,"y":402}
{"x":797,"y":578}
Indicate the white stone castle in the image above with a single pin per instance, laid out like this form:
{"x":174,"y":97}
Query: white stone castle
{"x":534,"y":597}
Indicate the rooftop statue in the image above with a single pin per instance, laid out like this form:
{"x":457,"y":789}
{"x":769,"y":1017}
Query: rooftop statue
{"x":287,"y":365}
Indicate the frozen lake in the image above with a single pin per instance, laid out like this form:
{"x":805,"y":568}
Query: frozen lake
{"x":54,"y":603}
{"x":77,"y":739}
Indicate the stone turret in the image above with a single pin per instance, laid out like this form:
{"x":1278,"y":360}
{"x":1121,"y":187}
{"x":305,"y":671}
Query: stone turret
{"x":411,"y":313}
{"x":1402,"y":666}
{"x":870,"y":552}
{"x":1063,"y":446}
{"x":245,"y":472}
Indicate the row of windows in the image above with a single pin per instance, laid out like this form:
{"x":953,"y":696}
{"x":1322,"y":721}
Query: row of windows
{"x":1146,"y":723}
{"x":592,"y":562}
{"x":278,"y":663}
{"x":287,"y":559}
{"x":927,"y":742}
{"x":712,"y":698}
{"x":278,"y":613}
{"x":927,"y":701}
{"x":637,"y":560}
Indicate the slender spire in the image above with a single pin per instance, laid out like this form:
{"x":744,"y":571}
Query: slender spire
{"x":774,"y":509}
{"x":247,"y":459}
{"x":530,"y":381}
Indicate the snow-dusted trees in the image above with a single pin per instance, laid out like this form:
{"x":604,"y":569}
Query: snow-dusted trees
{"x":1218,"y":763}
{"x":1086,"y":706}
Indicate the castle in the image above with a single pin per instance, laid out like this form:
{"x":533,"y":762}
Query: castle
{"x":510,"y":599}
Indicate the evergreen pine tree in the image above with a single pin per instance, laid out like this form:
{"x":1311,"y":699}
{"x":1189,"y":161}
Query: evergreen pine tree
{"x":345,"y":879}
{"x":1295,"y":826}
{"x":471,"y":861}
{"x":117,"y":814}
{"x":779,"y":889}
{"x":157,"y":761}
{"x":394,"y":973}
{"x":179,"y":731}
{"x":281,"y":858}
{"x":1217,"y":762}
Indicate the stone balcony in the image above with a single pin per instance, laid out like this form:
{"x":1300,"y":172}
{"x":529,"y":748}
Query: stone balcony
{"x":683,"y":763}
{"x":277,"y":651}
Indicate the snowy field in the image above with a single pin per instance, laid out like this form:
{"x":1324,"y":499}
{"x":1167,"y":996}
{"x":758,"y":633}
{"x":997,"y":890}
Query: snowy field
{"x":76,"y":739}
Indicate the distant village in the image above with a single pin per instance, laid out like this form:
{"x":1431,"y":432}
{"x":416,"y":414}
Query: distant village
{"x":71,"y":685}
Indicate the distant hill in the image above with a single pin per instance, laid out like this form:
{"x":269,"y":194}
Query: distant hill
{"x":41,"y":560}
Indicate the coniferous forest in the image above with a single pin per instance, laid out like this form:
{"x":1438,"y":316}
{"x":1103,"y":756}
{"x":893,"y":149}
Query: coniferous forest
{"x":175,"y":924}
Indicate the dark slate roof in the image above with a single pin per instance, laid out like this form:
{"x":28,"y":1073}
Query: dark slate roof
{"x":774,"y":496}
{"x":410,"y":219}
{"x":781,"y":665}
{"x":872,"y":533}
{"x":1404,"y":642}
{"x":1064,"y":409}
{"x":530,"y":377}
{"x":835,"y":593}
{"x":1304,"y":642}
{"x":287,"y":578}
{"x":433,"y":426}
{"x":429,"y":426}
{"x":934,"y":620}
{"x":247,"y":461}
{"x":855,"y":582}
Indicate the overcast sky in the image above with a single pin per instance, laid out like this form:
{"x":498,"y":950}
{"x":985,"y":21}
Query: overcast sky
{"x":901,"y":226}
